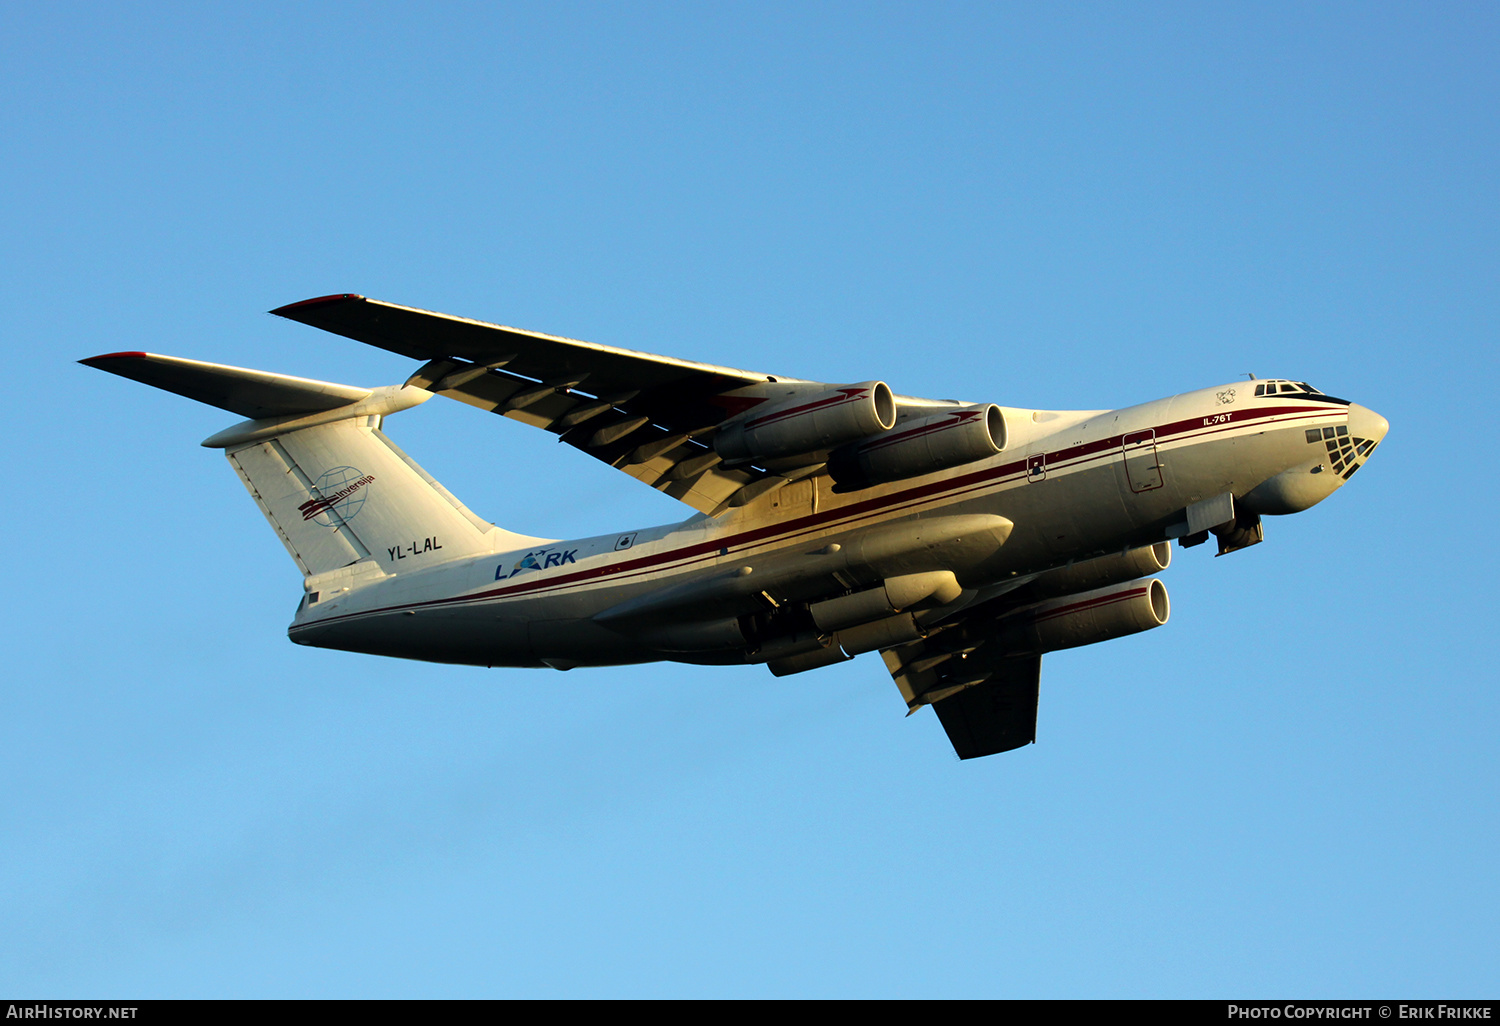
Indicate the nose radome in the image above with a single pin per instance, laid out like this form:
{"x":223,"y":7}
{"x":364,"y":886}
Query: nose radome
{"x":1366,"y":423}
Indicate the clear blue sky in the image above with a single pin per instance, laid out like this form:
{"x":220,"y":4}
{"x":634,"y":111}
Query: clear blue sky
{"x":1289,"y":790}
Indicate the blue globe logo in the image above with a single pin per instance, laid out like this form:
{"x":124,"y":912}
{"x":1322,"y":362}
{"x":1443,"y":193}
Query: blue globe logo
{"x":340,"y":491}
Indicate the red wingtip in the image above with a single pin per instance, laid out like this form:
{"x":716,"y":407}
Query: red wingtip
{"x":114,"y":356}
{"x":336,"y":298}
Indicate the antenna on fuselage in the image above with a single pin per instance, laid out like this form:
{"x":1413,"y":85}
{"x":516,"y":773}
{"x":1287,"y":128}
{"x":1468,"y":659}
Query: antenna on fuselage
{"x":1250,"y":375}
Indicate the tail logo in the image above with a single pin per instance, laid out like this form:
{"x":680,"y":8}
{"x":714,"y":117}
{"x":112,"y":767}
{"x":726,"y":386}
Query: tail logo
{"x":341,"y":494}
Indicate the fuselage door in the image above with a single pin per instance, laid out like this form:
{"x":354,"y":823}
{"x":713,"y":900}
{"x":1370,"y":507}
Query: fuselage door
{"x":1142,"y":468}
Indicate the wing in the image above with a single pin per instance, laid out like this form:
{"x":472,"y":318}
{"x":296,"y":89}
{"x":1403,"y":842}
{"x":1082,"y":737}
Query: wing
{"x":986,"y":702}
{"x":650,"y":416}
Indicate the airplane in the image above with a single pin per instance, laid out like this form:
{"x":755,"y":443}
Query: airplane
{"x":962,"y":541}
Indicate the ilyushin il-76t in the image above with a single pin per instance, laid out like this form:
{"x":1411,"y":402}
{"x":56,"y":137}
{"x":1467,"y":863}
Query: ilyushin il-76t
{"x":961,"y":541}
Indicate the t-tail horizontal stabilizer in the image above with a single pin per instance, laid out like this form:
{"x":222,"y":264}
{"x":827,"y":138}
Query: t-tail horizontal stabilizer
{"x":334,"y":488}
{"x":276,"y":404}
{"x":250,"y":393}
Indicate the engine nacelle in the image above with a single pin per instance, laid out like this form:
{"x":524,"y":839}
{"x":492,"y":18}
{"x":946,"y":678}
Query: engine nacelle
{"x":1100,"y":615}
{"x":938,"y":441}
{"x":1105,"y":570}
{"x":809,"y":423}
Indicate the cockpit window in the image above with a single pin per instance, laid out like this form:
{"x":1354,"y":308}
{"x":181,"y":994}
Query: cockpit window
{"x":1279,"y":387}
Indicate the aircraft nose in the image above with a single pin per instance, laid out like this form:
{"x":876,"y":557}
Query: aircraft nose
{"x":1366,"y":423}
{"x":1349,"y":447}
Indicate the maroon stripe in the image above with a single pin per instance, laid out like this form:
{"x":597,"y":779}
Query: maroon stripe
{"x":319,"y":299}
{"x":1111,"y":446}
{"x":974,"y":481}
{"x":1094,"y":603}
{"x":116,"y":356}
{"x":896,"y":437}
{"x":849,"y":395}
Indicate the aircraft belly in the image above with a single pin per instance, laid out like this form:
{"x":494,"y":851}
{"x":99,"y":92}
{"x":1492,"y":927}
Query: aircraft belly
{"x":566,"y":643}
{"x":465,"y":636}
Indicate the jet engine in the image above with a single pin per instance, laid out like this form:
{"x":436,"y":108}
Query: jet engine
{"x":1088,"y":618}
{"x":1104,"y":570}
{"x":809,"y":423}
{"x":939,"y":441}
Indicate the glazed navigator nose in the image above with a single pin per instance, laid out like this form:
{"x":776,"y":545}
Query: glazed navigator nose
{"x":1349,"y":447}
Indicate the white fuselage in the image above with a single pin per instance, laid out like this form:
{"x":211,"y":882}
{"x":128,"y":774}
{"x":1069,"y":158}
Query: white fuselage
{"x":1073,"y":484}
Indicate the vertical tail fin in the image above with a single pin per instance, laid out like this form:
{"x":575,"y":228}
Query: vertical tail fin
{"x":342,"y":492}
{"x":333,"y":487}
